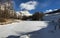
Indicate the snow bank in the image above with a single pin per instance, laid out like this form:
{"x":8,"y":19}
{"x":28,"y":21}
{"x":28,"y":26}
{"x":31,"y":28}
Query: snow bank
{"x":21,"y":27}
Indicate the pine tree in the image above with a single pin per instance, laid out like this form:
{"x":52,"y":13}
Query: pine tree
{"x":37,"y":16}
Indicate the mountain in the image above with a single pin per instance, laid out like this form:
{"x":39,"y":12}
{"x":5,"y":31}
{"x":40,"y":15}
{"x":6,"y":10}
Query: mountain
{"x":52,"y":16}
{"x":53,"y":11}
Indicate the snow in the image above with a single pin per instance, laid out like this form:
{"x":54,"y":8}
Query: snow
{"x":21,"y":27}
{"x":50,"y":17}
{"x":32,"y":29}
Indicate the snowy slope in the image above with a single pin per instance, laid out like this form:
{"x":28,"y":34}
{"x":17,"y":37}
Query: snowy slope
{"x":50,"y":17}
{"x":34,"y":29}
{"x":48,"y":32}
{"x":21,"y":27}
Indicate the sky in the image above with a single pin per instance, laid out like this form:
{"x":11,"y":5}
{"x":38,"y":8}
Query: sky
{"x":36,"y":5}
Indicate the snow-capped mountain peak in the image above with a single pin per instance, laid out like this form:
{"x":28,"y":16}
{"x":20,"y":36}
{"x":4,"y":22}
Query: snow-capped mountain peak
{"x":50,"y":10}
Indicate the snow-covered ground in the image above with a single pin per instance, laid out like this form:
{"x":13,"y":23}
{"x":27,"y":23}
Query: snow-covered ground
{"x":50,"y":17}
{"x":30,"y":29}
{"x":21,"y":27}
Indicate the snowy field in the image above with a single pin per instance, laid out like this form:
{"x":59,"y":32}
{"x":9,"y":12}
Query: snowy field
{"x":29,"y":29}
{"x":21,"y":27}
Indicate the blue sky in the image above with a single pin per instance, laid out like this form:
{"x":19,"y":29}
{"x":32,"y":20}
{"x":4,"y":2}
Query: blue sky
{"x":41,"y":5}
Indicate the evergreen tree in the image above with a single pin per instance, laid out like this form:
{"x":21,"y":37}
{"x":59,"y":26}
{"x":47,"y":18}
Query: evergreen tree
{"x":37,"y":16}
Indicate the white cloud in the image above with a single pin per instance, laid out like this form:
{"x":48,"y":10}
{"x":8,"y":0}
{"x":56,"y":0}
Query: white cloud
{"x":26,"y":13}
{"x":49,"y":10}
{"x":28,"y":5}
{"x":23,"y":13}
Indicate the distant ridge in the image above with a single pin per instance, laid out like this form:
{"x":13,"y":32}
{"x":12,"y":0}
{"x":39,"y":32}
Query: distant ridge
{"x":54,"y":11}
